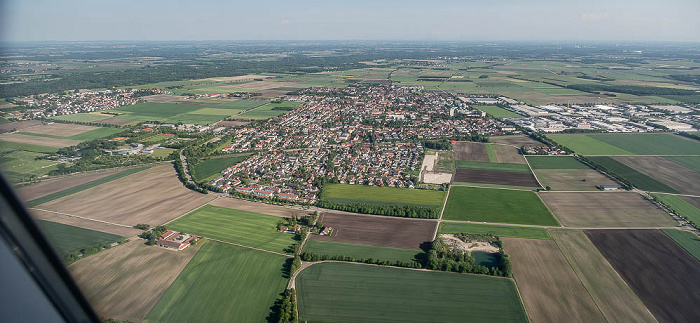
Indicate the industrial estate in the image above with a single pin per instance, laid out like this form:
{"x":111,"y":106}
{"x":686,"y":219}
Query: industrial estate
{"x":339,"y":184}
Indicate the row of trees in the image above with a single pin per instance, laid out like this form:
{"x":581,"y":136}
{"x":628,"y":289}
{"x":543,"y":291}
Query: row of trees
{"x":630,"y":89}
{"x":74,"y":256}
{"x":285,"y":308}
{"x":407,"y":211}
{"x":311,"y":256}
{"x":625,"y":183}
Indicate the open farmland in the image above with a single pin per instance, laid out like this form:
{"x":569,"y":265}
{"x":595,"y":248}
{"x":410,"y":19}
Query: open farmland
{"x":555,"y":162}
{"x":153,"y":196}
{"x":585,"y":145}
{"x":632,"y":175}
{"x":495,"y":230}
{"x":59,"y":129}
{"x":497,"y":206}
{"x":505,"y":167}
{"x":497,"y":112}
{"x":605,"y":209}
{"x":241,"y":104}
{"x":125,"y":282}
{"x":688,"y":240}
{"x":678,"y":177}
{"x":223,"y":283}
{"x":507,"y":154}
{"x":470,"y":151}
{"x":268,"y":111}
{"x":362,"y":293}
{"x":211,"y":168}
{"x":692,"y":162}
{"x":550,"y":289}
{"x":565,"y":173}
{"x":343,"y":193}
{"x":235,"y":226}
{"x":120,"y":230}
{"x":19,"y":165}
{"x":257,"y":207}
{"x":176,"y":112}
{"x":629,"y":144}
{"x":680,"y":205}
{"x":515,"y":140}
{"x":614,"y":298}
{"x":377,"y":230}
{"x":521,"y":179}
{"x":664,"y":275}
{"x":360,"y":251}
{"x":67,"y":238}
{"x":37,"y":140}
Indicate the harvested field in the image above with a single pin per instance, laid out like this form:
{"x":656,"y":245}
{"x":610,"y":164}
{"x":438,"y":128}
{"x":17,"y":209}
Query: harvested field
{"x":84,"y":223}
{"x":496,"y":177}
{"x":153,"y":196}
{"x":686,"y":239}
{"x":377,"y":231}
{"x":614,"y":298}
{"x":550,"y":289}
{"x":695,"y":201}
{"x":663,"y":274}
{"x":471,"y":151}
{"x":225,"y":123}
{"x":28,"y":193}
{"x":632,"y":175}
{"x":679,"y":177}
{"x":59,"y":129}
{"x":516,"y":140}
{"x":605,"y":209}
{"x":163,"y":98}
{"x":572,"y":179}
{"x":19,"y":126}
{"x":508,"y":154}
{"x":37,"y":140}
{"x":125,"y":282}
{"x":243,"y":205}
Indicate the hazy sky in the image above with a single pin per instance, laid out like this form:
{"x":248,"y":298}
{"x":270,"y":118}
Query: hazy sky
{"x":575,"y":20}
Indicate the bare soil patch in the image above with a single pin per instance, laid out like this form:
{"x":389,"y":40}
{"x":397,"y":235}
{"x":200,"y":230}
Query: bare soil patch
{"x":125,"y":282}
{"x":507,"y":154}
{"x":377,"y":231}
{"x":663,"y":274}
{"x":85,"y":223}
{"x":153,"y":196}
{"x":59,"y":129}
{"x":470,"y":151}
{"x":28,"y":193}
{"x":516,"y":140}
{"x":676,"y":176}
{"x":550,"y":289}
{"x":37,"y":140}
{"x":224,"y":123}
{"x":19,"y":126}
{"x":243,"y":205}
{"x":496,"y":177}
{"x":605,"y":209}
{"x":572,"y":179}
{"x":470,"y":246}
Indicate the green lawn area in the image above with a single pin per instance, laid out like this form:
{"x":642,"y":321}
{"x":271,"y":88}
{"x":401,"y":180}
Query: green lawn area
{"x":211,"y":168}
{"x":6,"y":145}
{"x":507,"y":167}
{"x":20,"y":165}
{"x":687,"y":161}
{"x":236,"y":226}
{"x":343,"y":193}
{"x":82,"y":187}
{"x":67,"y":238}
{"x":635,"y":177}
{"x":491,"y":153}
{"x":497,"y":112}
{"x":343,"y":292}
{"x":680,"y":206}
{"x":585,"y":145}
{"x":688,"y":240}
{"x":360,"y":251}
{"x":496,"y":230}
{"x":497,"y":206}
{"x":241,"y":104}
{"x":651,"y":143}
{"x":157,"y":138}
{"x":555,"y":162}
{"x":223,"y":283}
{"x":267,"y":111}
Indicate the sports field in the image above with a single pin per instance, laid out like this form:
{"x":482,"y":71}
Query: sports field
{"x":211,"y":168}
{"x":629,"y":144}
{"x":497,"y":112}
{"x":614,"y":298}
{"x":496,"y":230}
{"x":688,"y":240}
{"x":241,"y":227}
{"x":632,"y":175}
{"x":497,"y":206}
{"x":360,"y":251}
{"x":343,"y":193}
{"x":362,"y":293}
{"x":223,"y":283}
{"x":67,"y":238}
{"x":680,"y":206}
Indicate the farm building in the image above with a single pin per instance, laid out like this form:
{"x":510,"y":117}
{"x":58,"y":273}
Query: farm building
{"x":608,"y":187}
{"x":175,"y":240}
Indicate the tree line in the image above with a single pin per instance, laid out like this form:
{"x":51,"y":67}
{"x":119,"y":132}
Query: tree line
{"x":407,"y":211}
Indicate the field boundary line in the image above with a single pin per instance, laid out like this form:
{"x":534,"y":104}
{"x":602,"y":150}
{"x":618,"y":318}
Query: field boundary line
{"x":532,"y":171}
{"x":495,"y":188}
{"x":439,"y":220}
{"x":190,"y":211}
{"x":557,"y":227}
{"x":677,"y":194}
{"x":82,"y":217}
{"x":249,"y":247}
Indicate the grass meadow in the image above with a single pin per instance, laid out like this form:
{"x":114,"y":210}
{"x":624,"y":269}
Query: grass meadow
{"x":211,"y":168}
{"x":359,"y":251}
{"x":67,"y":238}
{"x":342,"y":193}
{"x":496,"y":230}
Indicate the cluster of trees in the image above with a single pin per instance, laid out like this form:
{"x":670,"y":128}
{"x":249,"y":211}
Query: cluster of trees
{"x":152,"y":235}
{"x":439,"y":144}
{"x":87,"y":123}
{"x":442,"y":257}
{"x":311,"y":256}
{"x":142,"y":226}
{"x":274,"y":200}
{"x":284,"y":108}
{"x":180,"y":171}
{"x":74,"y":256}
{"x":686,"y":78}
{"x":285,"y":308}
{"x":690,"y":135}
{"x":630,"y":89}
{"x":407,"y":211}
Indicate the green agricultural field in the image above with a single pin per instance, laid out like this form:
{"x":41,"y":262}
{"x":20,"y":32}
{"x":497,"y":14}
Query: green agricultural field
{"x":687,"y":161}
{"x":343,"y":292}
{"x":154,"y":111}
{"x":223,"y":283}
{"x":496,"y":230}
{"x":200,"y":119}
{"x":82,"y":187}
{"x":506,"y":167}
{"x":635,"y":177}
{"x":241,"y":227}
{"x":82,"y":117}
{"x":490,"y":151}
{"x":157,"y":138}
{"x":496,"y":186}
{"x":585,"y":145}
{"x":555,"y":162}
{"x":680,"y":206}
{"x":497,"y":112}
{"x":95,"y":134}
{"x":241,"y":104}
{"x":360,"y":251}
{"x":688,"y":240}
{"x":6,"y":146}
{"x":497,"y":206}
{"x":20,"y":165}
{"x":211,"y":168}
{"x":651,"y":143}
{"x":67,"y":238}
{"x":268,"y":111}
{"x":343,"y":193}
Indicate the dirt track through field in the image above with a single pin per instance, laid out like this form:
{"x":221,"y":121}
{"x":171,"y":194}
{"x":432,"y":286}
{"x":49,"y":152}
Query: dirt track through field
{"x":550,"y":289}
{"x":84,"y":223}
{"x":470,"y":151}
{"x":495,"y":177}
{"x":377,"y":230}
{"x":676,"y":176}
{"x":663,"y":274}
